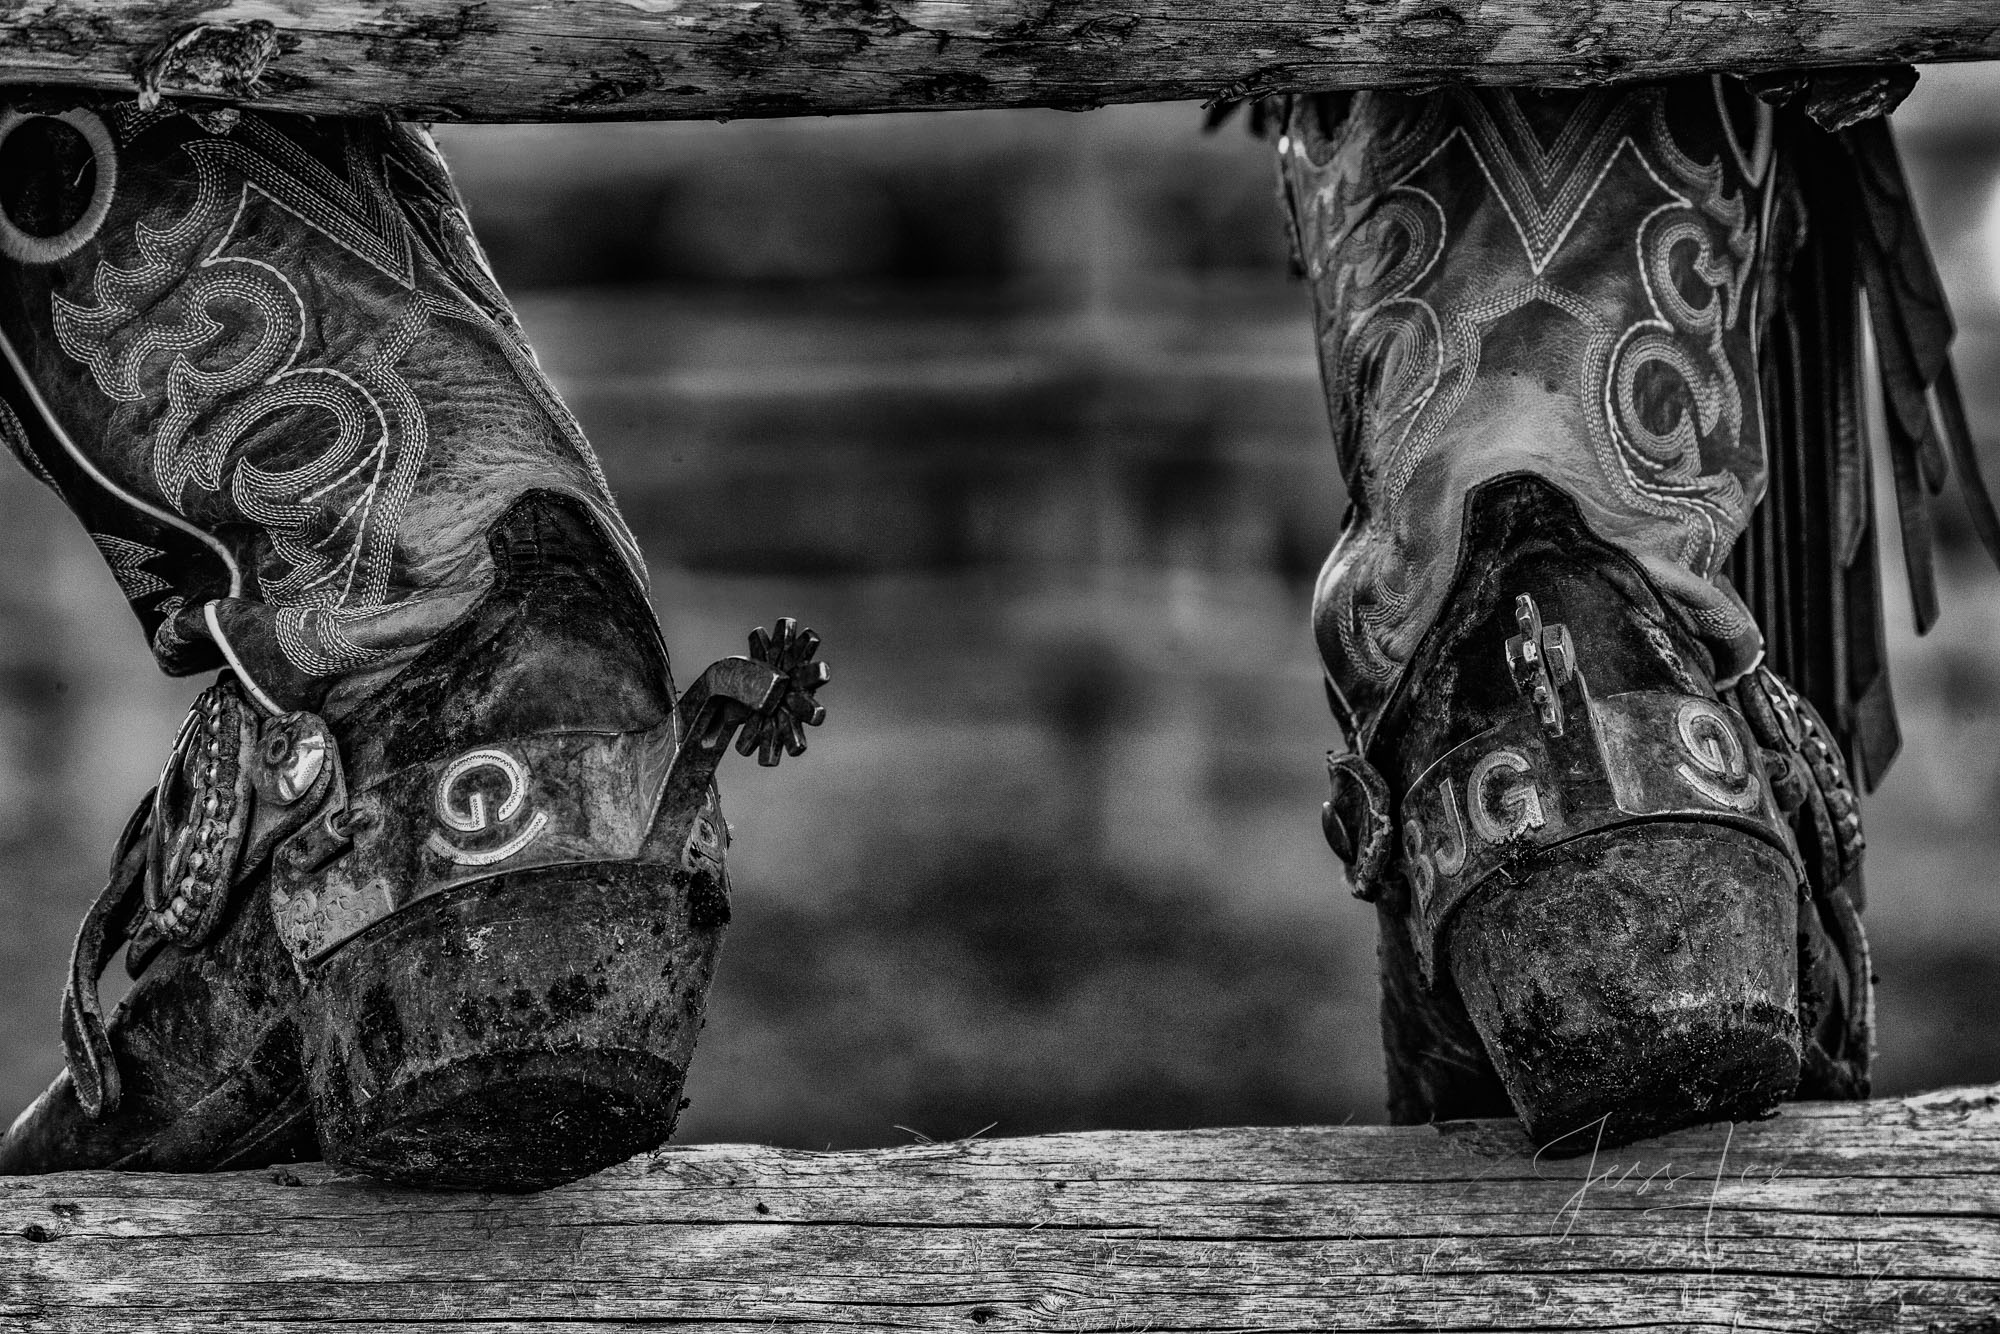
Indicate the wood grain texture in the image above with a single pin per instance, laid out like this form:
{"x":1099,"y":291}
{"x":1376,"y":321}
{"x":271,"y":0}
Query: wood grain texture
{"x":1882,"y":1216}
{"x":499,"y":60}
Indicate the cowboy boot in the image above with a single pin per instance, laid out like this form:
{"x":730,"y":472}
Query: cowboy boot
{"x":1538,"y":320}
{"x":433,"y":879}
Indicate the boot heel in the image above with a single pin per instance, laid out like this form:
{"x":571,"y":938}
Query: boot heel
{"x":518,"y":1030}
{"x":1643,"y":980}
{"x":514,"y":1033}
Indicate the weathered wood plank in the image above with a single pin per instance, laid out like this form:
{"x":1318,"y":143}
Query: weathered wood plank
{"x":1850,"y":1217}
{"x":503,"y":60}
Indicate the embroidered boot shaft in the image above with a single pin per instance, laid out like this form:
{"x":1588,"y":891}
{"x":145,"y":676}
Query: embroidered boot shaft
{"x":1565,"y":285}
{"x":434,"y":875}
{"x":259,"y":350}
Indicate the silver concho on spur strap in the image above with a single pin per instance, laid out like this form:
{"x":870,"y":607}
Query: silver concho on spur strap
{"x":235,"y":785}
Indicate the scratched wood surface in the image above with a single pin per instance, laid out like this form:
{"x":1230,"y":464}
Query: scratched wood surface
{"x":1883,"y":1216}
{"x":636,"y":59}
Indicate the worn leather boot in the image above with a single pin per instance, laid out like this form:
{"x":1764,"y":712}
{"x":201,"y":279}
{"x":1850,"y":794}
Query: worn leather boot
{"x":1572,"y":791}
{"x":1601,"y":882}
{"x":433,"y":881}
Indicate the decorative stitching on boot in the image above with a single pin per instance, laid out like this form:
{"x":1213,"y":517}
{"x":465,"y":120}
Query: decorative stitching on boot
{"x":1410,"y":336}
{"x":27,"y":249}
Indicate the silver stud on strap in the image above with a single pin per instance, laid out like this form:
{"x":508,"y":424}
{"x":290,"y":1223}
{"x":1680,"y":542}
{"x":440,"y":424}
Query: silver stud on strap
{"x":1541,"y":659}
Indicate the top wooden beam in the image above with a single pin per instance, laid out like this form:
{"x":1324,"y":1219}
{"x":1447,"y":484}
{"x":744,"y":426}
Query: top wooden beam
{"x":544,"y":60}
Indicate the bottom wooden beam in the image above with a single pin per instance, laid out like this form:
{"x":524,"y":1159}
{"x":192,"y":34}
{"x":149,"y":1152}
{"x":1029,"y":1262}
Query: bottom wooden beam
{"x":1844,"y":1217}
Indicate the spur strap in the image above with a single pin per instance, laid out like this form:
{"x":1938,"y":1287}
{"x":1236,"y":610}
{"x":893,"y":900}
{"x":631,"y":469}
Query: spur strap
{"x":1566,"y":765}
{"x":241,"y":791}
{"x":93,"y":1066}
{"x":234,"y":787}
{"x":552,"y":799}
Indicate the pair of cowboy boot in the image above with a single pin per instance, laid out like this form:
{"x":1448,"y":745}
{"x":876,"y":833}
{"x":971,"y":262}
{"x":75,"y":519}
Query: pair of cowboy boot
{"x":1614,"y":857}
{"x":433,"y":881}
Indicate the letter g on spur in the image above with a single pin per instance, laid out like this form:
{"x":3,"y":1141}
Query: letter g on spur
{"x":466,"y":802}
{"x":1720,"y":769}
{"x":1520,"y":802}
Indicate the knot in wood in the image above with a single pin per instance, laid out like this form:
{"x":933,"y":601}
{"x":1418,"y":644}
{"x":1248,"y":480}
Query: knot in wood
{"x":215,"y":58}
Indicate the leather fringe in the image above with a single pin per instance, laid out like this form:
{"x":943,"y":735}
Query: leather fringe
{"x":1807,"y":565}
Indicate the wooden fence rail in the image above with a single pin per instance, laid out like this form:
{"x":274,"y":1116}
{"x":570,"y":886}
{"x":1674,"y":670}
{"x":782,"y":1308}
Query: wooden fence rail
{"x":1847,"y":1217}
{"x":529,"y":60}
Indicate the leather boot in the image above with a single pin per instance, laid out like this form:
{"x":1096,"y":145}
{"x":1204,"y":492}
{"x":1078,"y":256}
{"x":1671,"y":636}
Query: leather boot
{"x":1602,"y":888}
{"x":433,"y":879}
{"x":1572,"y":791}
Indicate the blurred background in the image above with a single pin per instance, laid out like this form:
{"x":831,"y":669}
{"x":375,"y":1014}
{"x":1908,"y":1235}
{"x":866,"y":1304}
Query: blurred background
{"x":1020,"y":410}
